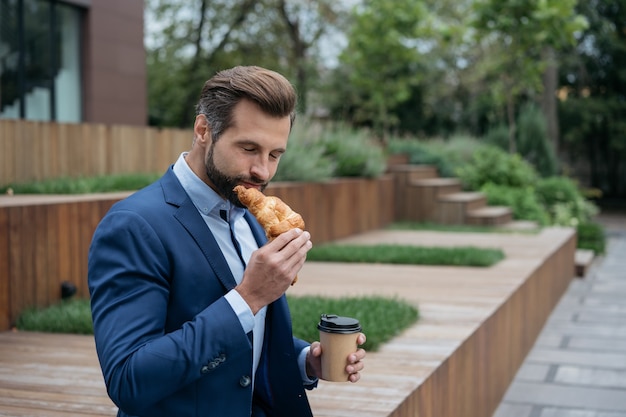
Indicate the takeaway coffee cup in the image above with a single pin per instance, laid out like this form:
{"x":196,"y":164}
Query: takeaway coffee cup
{"x":338,"y":336}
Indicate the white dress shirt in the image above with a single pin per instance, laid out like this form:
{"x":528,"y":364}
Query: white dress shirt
{"x":209,"y":204}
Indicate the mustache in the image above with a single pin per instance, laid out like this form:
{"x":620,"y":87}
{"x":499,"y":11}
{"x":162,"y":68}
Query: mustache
{"x":251,"y":180}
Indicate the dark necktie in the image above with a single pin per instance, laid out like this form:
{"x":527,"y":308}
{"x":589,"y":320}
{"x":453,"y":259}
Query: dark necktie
{"x":231,"y":226}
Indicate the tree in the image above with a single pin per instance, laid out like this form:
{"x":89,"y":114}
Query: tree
{"x":593,"y":103}
{"x":306,"y":23}
{"x":187,"y":42}
{"x":381,"y":65}
{"x":519,"y":35}
{"x":183,"y":49}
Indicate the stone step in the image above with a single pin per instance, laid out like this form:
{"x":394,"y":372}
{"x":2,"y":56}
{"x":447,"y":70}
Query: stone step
{"x":405,"y":197}
{"x":422,"y":196}
{"x":520,"y":225}
{"x":452,"y":208}
{"x":583,"y":258}
{"x":414,"y":172}
{"x":437,"y":182}
{"x":489,"y":216}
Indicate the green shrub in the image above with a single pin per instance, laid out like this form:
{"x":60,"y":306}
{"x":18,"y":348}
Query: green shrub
{"x":591,"y":236}
{"x":564,"y":201}
{"x":492,"y":165}
{"x":305,"y":159}
{"x":317,"y":153}
{"x":446,"y":155}
{"x":84,"y":185}
{"x":522,"y":201}
{"x":354,"y":152}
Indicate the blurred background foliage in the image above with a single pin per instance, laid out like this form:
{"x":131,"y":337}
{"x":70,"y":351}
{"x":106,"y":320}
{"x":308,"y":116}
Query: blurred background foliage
{"x":542,"y":79}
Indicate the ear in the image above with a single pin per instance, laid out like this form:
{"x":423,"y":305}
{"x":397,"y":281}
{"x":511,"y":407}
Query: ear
{"x":201,"y":129}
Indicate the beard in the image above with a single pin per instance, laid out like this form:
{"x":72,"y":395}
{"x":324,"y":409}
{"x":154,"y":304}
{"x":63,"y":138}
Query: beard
{"x":224,"y":183}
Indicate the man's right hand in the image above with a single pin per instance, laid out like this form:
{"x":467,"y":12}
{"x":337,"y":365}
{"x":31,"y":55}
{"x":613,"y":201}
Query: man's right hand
{"x":273,"y":267}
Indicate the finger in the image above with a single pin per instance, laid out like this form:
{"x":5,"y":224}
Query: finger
{"x":316,"y":349}
{"x":355,"y":367}
{"x":283,"y":239}
{"x":357,"y":356}
{"x":354,"y":377}
{"x":294,"y":253}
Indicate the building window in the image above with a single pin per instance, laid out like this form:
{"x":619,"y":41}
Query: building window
{"x":40,"y":70}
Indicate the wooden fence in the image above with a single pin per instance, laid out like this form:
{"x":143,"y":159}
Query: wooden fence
{"x":31,"y":151}
{"x":44,"y":239}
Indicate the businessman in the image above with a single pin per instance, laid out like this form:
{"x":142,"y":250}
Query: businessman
{"x":187,"y":296}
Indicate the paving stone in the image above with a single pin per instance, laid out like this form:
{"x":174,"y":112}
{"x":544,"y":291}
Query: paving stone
{"x":607,"y":360}
{"x":617,"y":305}
{"x":532,"y":372}
{"x":566,"y":396}
{"x":609,"y":287}
{"x":587,"y":343}
{"x":568,"y":412}
{"x":600,"y":316}
{"x":612,"y":270}
{"x":547,"y":339}
{"x":591,"y":376}
{"x":513,"y":410}
{"x":600,"y":330}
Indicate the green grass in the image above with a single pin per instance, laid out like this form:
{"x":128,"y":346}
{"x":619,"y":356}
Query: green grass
{"x":380,"y":318}
{"x":406,"y":254}
{"x":70,"y":316}
{"x":454,"y":228}
{"x":84,"y":185}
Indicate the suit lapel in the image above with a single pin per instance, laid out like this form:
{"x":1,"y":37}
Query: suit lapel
{"x":192,"y":221}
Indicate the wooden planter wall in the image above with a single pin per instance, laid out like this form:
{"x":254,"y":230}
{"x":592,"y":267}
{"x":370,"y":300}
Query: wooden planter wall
{"x":44,"y":240}
{"x":33,"y":151}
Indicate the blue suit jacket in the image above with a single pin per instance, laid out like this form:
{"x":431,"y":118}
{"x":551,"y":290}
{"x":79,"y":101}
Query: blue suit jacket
{"x":168,"y":342}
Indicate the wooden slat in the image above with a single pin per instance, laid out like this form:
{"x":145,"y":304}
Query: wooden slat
{"x":31,"y":150}
{"x":5,"y":268}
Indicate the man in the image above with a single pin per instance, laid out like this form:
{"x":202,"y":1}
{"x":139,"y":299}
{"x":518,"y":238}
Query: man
{"x":188,"y":298}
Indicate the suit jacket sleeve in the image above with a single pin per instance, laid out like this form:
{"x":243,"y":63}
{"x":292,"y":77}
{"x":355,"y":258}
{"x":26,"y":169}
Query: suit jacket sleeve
{"x":146,"y":352}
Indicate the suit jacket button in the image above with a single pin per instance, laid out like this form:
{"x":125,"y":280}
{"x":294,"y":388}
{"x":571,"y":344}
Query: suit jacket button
{"x":204,"y":369}
{"x":245,"y":381}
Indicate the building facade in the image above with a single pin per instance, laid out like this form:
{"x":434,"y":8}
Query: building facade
{"x":73,"y":61}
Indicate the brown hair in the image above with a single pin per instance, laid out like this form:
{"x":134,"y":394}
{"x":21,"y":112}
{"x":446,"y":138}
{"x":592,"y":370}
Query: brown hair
{"x":271,"y":91}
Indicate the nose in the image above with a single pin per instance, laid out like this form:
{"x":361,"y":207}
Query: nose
{"x":260,"y":169}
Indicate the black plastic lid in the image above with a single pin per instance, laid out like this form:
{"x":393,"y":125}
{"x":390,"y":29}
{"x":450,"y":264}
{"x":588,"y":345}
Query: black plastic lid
{"x":332,"y":323}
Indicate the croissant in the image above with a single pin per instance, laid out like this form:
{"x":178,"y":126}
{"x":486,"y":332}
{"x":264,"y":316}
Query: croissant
{"x":273,"y":214}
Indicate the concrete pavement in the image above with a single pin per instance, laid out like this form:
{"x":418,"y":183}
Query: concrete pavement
{"x":577,"y":367}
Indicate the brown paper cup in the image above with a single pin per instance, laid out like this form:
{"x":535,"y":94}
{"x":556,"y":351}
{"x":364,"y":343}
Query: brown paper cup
{"x":338,"y":337}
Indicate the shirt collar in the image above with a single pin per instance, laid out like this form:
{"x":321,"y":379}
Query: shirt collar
{"x":206,"y":200}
